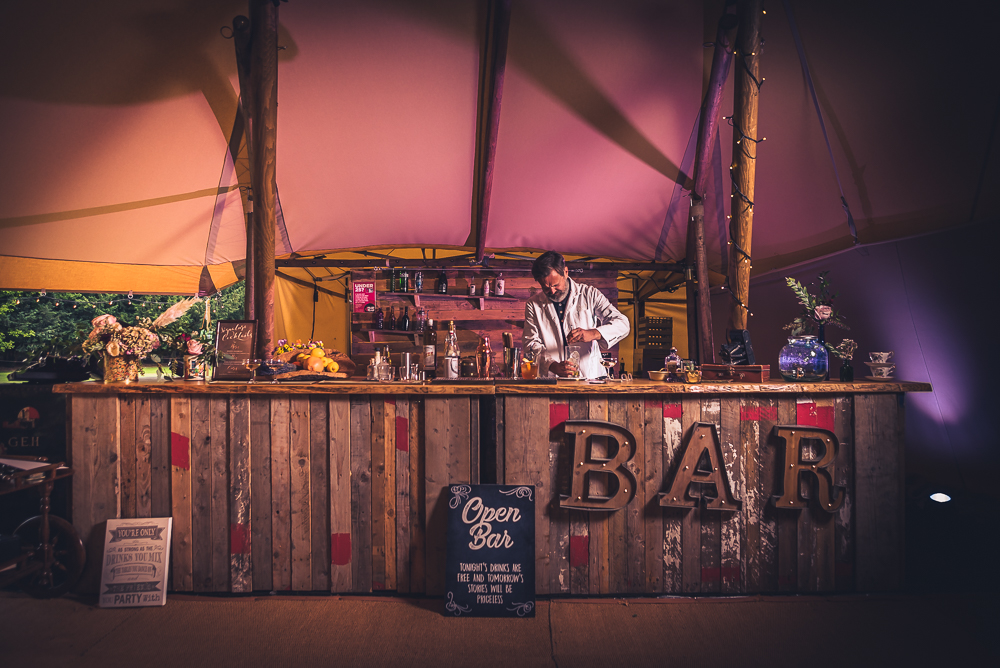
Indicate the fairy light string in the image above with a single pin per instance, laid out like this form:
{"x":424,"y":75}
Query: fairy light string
{"x":745,"y":144}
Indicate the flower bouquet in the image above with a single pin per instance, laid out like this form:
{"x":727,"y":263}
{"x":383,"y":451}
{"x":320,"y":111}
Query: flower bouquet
{"x":121,"y":347}
{"x":817,"y":312}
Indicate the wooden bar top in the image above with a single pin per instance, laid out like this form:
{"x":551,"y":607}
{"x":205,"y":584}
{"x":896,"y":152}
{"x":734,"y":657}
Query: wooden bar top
{"x":153,"y":386}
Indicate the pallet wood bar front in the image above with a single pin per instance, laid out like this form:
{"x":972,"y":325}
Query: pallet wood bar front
{"x":338,"y":487}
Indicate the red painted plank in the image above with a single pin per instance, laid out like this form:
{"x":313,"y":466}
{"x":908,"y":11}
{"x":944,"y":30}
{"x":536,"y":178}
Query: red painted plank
{"x":558,"y":413}
{"x":180,"y":453}
{"x":579,"y":551}
{"x":340,"y":549}
{"x":748,"y":413}
{"x":239,"y":539}
{"x":672,"y":411}
{"x":811,"y":415}
{"x":402,"y":433}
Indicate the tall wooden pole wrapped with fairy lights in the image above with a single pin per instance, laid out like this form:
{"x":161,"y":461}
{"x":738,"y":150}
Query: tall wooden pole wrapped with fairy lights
{"x":263,"y":145}
{"x":747,"y":83}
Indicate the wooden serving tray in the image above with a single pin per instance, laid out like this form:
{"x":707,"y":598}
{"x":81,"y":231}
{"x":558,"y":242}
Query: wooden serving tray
{"x":347,"y":367}
{"x":306,"y":376}
{"x":746,"y":373}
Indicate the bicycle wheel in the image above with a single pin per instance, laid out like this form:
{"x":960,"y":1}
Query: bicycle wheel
{"x":68,"y":557}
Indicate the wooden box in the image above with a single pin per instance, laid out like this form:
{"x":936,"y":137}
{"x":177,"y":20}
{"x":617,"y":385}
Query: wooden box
{"x":743,"y":373}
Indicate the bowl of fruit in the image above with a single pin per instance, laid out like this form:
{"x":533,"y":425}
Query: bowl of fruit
{"x":311,"y":364}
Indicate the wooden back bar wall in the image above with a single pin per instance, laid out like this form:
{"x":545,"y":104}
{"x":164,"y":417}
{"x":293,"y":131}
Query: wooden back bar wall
{"x":474,"y":316}
{"x":338,"y":489}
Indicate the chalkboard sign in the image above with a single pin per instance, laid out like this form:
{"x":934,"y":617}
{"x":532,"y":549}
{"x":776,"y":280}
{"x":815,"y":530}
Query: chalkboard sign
{"x":234,"y":342}
{"x":491,"y":551}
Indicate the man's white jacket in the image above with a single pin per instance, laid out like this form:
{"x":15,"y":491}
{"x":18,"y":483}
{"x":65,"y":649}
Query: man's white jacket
{"x":587,"y":308}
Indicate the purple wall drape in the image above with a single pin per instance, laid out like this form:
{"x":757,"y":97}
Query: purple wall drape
{"x":928,"y":299}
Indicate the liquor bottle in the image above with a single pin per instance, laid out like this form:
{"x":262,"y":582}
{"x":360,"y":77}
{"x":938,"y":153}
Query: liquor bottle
{"x":418,"y":281}
{"x":484,"y":357}
{"x":393,"y":280}
{"x":452,"y":353}
{"x":430,"y":350}
{"x":500,"y":285}
{"x":392,"y":318}
{"x":420,"y":321}
{"x":486,"y":287}
{"x":442,"y":283}
{"x":404,"y":281}
{"x":404,"y":322}
{"x":380,"y":319}
{"x":472,"y":287}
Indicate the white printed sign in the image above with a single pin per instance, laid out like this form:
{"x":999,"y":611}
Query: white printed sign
{"x":135,"y":563}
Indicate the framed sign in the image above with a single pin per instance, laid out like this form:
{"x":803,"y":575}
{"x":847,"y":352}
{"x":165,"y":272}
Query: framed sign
{"x":135,"y":563}
{"x":235,"y":341}
{"x":364,"y":296}
{"x":490,"y":567}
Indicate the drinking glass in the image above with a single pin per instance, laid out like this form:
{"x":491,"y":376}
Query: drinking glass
{"x":273,"y":364}
{"x":529,"y":366}
{"x":251,"y":364}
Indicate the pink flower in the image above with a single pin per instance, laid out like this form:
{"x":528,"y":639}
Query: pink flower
{"x":194,"y":347}
{"x":104,"y":321}
{"x":113,"y":348}
{"x":823,"y":312}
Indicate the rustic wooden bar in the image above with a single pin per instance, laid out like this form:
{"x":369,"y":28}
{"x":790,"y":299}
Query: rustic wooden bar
{"x":338,"y":486}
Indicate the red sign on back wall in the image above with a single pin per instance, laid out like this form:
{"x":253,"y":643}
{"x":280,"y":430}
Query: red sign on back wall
{"x":364,"y":296}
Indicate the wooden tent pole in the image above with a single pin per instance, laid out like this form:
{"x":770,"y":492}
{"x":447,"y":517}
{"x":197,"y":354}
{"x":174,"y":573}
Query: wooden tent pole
{"x":702,"y":341}
{"x":241,"y":40}
{"x":745,"y":101}
{"x":491,"y":74}
{"x":264,"y":124}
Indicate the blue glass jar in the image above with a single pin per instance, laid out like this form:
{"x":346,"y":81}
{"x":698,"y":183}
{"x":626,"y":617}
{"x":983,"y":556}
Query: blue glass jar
{"x":804,"y":359}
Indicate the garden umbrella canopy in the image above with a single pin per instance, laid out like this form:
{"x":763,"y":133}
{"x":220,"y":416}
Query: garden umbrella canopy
{"x":117,"y":120}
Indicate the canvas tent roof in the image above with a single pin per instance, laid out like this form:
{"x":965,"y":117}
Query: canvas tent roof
{"x":117,"y":117}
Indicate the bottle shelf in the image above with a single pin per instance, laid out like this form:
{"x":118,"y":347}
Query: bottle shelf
{"x":417,"y":297}
{"x":375,"y":335}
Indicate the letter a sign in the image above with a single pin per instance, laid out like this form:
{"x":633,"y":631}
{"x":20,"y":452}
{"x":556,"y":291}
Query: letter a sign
{"x":701,"y":477}
{"x":611,"y":470}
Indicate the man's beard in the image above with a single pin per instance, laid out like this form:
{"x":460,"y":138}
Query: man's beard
{"x":560,"y":296}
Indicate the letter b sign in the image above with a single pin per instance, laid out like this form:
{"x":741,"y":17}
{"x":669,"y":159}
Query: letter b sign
{"x":608,"y":472}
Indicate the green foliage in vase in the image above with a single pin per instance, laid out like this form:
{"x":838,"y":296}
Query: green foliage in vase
{"x":816,"y":310}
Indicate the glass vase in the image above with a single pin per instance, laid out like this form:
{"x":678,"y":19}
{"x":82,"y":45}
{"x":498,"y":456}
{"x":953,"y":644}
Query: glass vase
{"x":846,"y":372}
{"x":804,"y":359}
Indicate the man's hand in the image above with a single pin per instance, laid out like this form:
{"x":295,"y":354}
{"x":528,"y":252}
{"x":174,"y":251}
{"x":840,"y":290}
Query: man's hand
{"x":579,"y":335}
{"x":563,"y":369}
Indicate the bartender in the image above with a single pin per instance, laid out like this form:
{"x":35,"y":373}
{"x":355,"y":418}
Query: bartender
{"x":568,"y":316}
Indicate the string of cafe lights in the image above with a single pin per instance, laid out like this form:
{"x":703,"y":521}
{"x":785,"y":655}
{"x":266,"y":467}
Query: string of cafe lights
{"x":141,"y":300}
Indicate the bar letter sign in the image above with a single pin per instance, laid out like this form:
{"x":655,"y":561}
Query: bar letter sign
{"x":491,"y":551}
{"x":136,"y":562}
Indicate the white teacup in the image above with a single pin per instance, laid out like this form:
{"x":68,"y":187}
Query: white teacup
{"x":881,"y":358}
{"x":883,"y":371}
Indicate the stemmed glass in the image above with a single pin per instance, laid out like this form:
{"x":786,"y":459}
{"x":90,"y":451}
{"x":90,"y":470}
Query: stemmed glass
{"x":608,"y":363}
{"x":251,"y":364}
{"x":273,"y":364}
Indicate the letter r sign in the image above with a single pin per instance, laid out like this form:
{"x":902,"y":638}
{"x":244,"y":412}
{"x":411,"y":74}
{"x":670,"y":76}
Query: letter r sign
{"x":588,"y":467}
